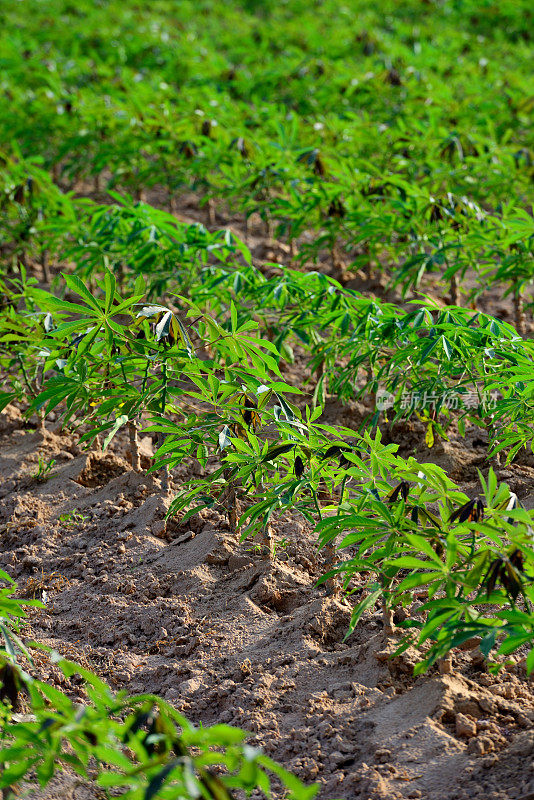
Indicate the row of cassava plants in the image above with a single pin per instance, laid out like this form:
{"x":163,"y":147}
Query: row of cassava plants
{"x":359,"y":345}
{"x":384,"y":186}
{"x":108,"y":362}
{"x":471,"y":560}
{"x":133,"y":239}
{"x":461,"y":237}
{"x":424,"y":357}
{"x":361,"y":335}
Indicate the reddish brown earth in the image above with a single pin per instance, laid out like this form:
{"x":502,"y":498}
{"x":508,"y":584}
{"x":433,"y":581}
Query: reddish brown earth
{"x":227,"y":637}
{"x":190,"y":613}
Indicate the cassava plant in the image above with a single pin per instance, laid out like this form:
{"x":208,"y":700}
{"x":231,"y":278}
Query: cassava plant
{"x":139,"y":745}
{"x":471,"y":561}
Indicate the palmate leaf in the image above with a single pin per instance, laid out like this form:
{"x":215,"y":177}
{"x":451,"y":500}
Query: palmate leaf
{"x":147,"y":312}
{"x":97,"y":313}
{"x":117,"y":425}
{"x":472,"y":511}
{"x":78,"y":287}
{"x":225,"y":440}
{"x":298,"y":467}
{"x":402,"y":489}
{"x":12,"y":642}
{"x":163,"y":327}
{"x":168,"y":326}
{"x":53,"y":304}
{"x":162,"y":747}
{"x":419,"y":543}
{"x":5,"y":399}
{"x":368,"y":602}
{"x":410,"y":562}
{"x":418,"y":579}
{"x":425,"y":354}
{"x":61,"y":388}
{"x":159,"y":779}
{"x":277,"y":450}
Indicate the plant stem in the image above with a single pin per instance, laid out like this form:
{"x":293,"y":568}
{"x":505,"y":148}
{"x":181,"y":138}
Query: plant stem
{"x":338,"y":265}
{"x":387,"y":617}
{"x":455,"y":297}
{"x":134,"y":446}
{"x":230,"y":502}
{"x":445,"y":665}
{"x":145,"y":376}
{"x":233,"y":508}
{"x":44,"y":264}
{"x":489,"y":421}
{"x":519,"y":309}
{"x":341,"y":493}
{"x":332,"y":583}
{"x":316,"y":503}
{"x":387,"y":610}
{"x":455,"y":301}
{"x":369,"y":272}
{"x":267,"y":542}
{"x":26,"y":379}
{"x":212,"y":220}
{"x":165,"y":469}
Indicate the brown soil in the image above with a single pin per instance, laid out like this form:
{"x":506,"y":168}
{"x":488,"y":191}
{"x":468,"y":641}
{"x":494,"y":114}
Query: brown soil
{"x":228,"y":637}
{"x":192,"y":614}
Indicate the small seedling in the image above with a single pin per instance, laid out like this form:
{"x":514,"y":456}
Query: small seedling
{"x":282,"y":545}
{"x":44,"y":469}
{"x":72,"y":519}
{"x":133,"y":567}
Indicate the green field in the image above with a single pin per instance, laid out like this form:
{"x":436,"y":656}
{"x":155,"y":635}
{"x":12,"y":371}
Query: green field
{"x":218,"y":220}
